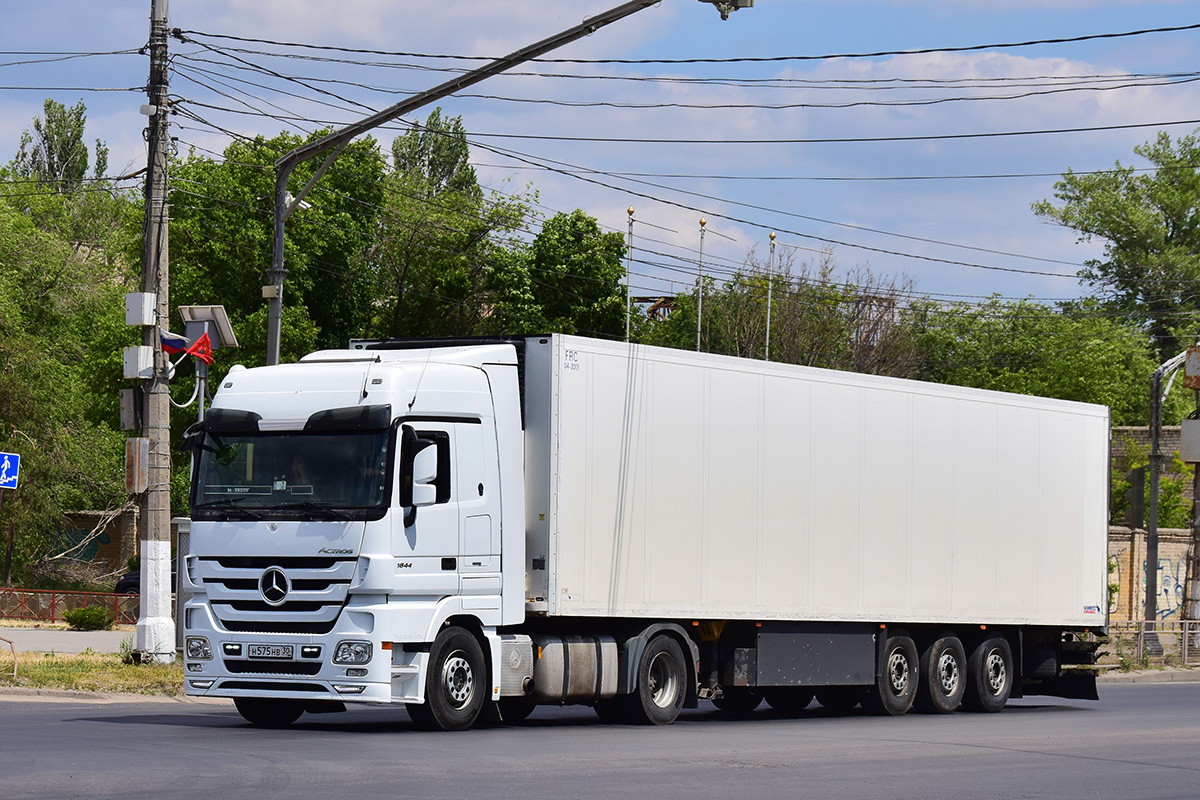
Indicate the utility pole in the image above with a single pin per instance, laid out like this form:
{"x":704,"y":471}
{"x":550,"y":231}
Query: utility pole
{"x":770,"y":274}
{"x":155,"y":628}
{"x":628,"y":269}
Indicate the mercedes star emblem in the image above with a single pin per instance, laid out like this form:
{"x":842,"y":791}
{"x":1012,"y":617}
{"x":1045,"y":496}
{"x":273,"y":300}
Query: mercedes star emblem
{"x":274,"y":586}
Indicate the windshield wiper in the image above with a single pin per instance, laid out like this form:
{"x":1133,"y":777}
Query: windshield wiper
{"x":313,"y":505}
{"x":231,"y":505}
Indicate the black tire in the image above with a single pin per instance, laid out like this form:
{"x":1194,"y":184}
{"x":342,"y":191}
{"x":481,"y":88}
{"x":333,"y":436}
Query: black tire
{"x":838,"y":698}
{"x":989,"y":676}
{"x":661,"y":684}
{"x":515,"y":709}
{"x":788,"y":699}
{"x":265,"y":712}
{"x":896,"y":689}
{"x":943,"y":681}
{"x":611,"y":711}
{"x":456,"y":687}
{"x":737,"y":700}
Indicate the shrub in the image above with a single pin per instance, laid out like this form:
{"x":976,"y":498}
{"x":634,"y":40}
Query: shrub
{"x":91,"y":618}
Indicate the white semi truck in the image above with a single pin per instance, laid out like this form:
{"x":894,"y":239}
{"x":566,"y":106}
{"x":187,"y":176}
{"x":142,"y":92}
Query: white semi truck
{"x":476,"y":527}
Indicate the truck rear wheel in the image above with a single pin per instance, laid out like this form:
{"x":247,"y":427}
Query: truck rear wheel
{"x":788,"y":699}
{"x":894,"y":690}
{"x":838,"y":698}
{"x":989,"y":676}
{"x":267,"y":712}
{"x":454,"y":690}
{"x":943,"y":676}
{"x":737,"y":701}
{"x":661,"y":688}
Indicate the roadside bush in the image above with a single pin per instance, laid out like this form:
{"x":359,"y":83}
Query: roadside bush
{"x":91,"y":618}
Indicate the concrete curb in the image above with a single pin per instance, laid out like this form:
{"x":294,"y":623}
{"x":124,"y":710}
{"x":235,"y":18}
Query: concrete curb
{"x":1152,"y":676}
{"x":74,"y":695}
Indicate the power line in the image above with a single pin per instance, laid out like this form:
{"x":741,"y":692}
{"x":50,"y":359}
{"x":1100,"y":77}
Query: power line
{"x":182,"y":34}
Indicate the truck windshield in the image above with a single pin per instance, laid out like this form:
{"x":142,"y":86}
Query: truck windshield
{"x":339,"y":475}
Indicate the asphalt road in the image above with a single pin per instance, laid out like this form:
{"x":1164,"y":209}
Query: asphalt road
{"x":1139,"y":741}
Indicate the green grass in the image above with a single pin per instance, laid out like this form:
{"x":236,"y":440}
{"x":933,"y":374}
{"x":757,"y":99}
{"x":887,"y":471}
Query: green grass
{"x":90,"y":672}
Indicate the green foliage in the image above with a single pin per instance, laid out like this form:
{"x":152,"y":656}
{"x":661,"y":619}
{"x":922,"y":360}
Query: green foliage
{"x":577,"y":276}
{"x":54,"y":152}
{"x":221,"y":244}
{"x":1071,"y":352}
{"x":1174,"y":509}
{"x":1150,"y":226}
{"x":90,"y":618}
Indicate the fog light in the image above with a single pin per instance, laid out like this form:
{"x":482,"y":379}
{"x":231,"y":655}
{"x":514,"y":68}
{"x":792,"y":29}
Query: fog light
{"x":310,"y":651}
{"x":352,"y":653}
{"x":195,"y":668}
{"x":232,"y":649}
{"x":344,"y":689}
{"x":198,"y":648}
{"x":356,"y":672}
{"x":200,"y":684}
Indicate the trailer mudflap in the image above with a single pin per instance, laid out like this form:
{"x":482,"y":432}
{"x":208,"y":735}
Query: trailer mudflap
{"x":1071,"y":685}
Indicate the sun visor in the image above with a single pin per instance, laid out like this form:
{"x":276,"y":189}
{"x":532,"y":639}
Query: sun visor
{"x":353,"y":418}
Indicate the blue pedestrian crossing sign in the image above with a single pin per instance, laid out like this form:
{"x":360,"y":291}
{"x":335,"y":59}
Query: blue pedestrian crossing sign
{"x":10,"y":470}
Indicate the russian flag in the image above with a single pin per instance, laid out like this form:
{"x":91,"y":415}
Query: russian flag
{"x":173,"y":342}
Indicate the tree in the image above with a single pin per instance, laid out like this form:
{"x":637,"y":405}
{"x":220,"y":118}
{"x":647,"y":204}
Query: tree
{"x":53,"y":298}
{"x":221,"y":234}
{"x":577,"y":275}
{"x":1150,"y":225}
{"x":54,"y":152}
{"x":860,"y":323}
{"x":1073,"y":351}
{"x":443,"y":256}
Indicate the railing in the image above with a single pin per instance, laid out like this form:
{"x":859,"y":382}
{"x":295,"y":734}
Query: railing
{"x":49,"y":605}
{"x":1162,"y":642}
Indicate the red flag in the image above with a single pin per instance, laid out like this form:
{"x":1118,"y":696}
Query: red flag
{"x":201,"y":349}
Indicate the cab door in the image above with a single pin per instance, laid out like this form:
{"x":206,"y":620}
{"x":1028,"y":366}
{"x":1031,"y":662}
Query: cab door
{"x":425,"y":541}
{"x":478,"y":490}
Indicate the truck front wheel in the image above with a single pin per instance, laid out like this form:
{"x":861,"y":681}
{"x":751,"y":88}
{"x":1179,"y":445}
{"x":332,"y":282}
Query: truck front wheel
{"x":269,"y":713}
{"x":661,"y":688}
{"x":455,"y":690}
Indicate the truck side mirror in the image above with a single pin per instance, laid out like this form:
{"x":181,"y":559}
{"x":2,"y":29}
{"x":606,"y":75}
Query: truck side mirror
{"x":424,"y":472}
{"x":418,"y":473}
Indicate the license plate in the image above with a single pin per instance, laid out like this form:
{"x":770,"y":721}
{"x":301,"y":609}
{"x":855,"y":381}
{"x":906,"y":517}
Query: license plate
{"x":269,"y":651}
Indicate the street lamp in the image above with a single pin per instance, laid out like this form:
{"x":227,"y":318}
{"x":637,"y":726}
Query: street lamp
{"x":285,"y":204}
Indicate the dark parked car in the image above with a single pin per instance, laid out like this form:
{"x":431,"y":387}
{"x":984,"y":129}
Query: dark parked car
{"x":131,"y":582}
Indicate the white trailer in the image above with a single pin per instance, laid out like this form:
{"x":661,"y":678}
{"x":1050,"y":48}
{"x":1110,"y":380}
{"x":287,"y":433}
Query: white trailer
{"x":477,"y":527}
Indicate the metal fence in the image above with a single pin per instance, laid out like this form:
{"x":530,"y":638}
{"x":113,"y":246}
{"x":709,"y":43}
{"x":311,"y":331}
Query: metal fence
{"x":49,"y":605}
{"x":1162,"y":642}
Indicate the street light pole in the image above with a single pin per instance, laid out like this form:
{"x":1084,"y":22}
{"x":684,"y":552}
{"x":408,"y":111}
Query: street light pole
{"x":337,"y":141}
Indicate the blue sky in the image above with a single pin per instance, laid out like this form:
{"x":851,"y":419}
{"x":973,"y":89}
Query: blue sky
{"x":916,"y":226}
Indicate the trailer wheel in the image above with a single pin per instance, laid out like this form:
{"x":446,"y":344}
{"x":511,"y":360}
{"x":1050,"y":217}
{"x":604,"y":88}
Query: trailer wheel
{"x":894,"y":690}
{"x":989,"y":676}
{"x":943,"y":676}
{"x":838,"y":698}
{"x":737,"y":701}
{"x":660,"y":692}
{"x":269,"y":713}
{"x":454,"y":691}
{"x":789,"y":700}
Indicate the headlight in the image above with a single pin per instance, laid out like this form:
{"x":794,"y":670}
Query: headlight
{"x":198,"y":648}
{"x":352,"y":653}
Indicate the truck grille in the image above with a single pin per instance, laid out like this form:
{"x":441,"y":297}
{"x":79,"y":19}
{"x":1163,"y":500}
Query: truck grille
{"x":313,"y":591}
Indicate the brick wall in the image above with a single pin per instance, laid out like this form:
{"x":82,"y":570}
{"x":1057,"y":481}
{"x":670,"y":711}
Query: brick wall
{"x":1127,"y":556}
